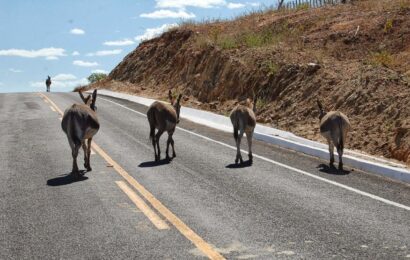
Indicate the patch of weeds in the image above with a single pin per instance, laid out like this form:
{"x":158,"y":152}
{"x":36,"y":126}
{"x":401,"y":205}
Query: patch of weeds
{"x":271,"y":68}
{"x":383,"y":58}
{"x":302,"y":6}
{"x":202,"y":42}
{"x":227,"y":43}
{"x":261,"y":103}
{"x":257,"y":39}
{"x":404,"y":5}
{"x":214,"y":34}
{"x":388,"y":25}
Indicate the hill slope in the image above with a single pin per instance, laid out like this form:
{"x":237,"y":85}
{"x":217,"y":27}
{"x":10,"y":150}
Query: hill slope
{"x":355,"y":58}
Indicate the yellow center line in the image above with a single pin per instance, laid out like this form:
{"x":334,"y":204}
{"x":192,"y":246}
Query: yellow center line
{"x":151,"y":215}
{"x":201,"y":244}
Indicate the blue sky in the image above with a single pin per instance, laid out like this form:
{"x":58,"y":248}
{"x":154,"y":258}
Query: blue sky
{"x":68,"y":40}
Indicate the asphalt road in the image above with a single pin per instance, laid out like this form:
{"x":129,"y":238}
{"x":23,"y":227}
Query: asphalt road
{"x":298,"y":210}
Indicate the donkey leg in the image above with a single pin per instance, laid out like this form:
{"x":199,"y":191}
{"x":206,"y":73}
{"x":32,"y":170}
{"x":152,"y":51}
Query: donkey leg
{"x":340,"y":153}
{"x":249,"y":135}
{"x":168,"y":143}
{"x":83,"y":144}
{"x":173,"y":149}
{"x":238,"y":148}
{"x":88,"y":167}
{"x":331,"y":153}
{"x":154,"y":143}
{"x":74,"y":153}
{"x":157,"y":137}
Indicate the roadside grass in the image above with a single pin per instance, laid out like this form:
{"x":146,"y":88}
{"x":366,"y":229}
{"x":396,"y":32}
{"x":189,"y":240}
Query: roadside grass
{"x":382,"y":58}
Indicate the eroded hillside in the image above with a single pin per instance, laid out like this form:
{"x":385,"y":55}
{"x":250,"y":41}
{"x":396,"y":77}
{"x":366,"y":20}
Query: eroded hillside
{"x":353,"y":57}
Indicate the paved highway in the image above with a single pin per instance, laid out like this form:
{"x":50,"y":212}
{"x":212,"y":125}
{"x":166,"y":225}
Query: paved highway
{"x":285,"y":206}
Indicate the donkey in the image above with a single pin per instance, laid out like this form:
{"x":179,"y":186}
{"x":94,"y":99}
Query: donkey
{"x":243,"y":120}
{"x":163,"y":117}
{"x":334,"y":126}
{"x":48,"y":83}
{"x":80,"y":123}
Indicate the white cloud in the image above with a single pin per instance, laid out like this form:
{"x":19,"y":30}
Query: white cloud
{"x":99,"y":71}
{"x":44,"y":52}
{"x":193,"y":3}
{"x":85,"y":63}
{"x":160,"y":14}
{"x":153,"y":32}
{"x":75,"y":53}
{"x":254,"y":4}
{"x":64,"y":77}
{"x":105,"y":53}
{"x":77,"y":31}
{"x":62,"y":81}
{"x":15,"y":70}
{"x":123,"y":42}
{"x":51,"y":58}
{"x":235,"y":5}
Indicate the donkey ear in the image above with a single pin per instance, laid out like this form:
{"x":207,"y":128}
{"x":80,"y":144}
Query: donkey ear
{"x":94,"y":99}
{"x":87,"y":99}
{"x":179,"y":98}
{"x":82,"y":96}
{"x":170,"y":97}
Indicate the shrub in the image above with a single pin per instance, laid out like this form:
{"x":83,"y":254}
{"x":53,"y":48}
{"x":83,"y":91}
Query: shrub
{"x":95,"y":77}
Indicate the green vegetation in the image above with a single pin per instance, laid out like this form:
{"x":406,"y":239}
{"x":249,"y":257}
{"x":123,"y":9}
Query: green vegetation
{"x":227,"y":43}
{"x":261,"y":103}
{"x":388,"y":25}
{"x":271,"y":67}
{"x":95,"y":77}
{"x":303,"y":6}
{"x":383,"y":58}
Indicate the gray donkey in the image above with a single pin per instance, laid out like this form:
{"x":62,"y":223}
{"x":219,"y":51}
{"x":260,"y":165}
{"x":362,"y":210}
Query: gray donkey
{"x":163,"y":117}
{"x":334,"y":126}
{"x":80,"y":123}
{"x":243,"y":121}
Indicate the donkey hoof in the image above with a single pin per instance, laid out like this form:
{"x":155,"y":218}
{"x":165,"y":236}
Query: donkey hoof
{"x":241,"y":160}
{"x":89,"y":168}
{"x":341,"y":166}
{"x":174,"y":155}
{"x":75,"y":174}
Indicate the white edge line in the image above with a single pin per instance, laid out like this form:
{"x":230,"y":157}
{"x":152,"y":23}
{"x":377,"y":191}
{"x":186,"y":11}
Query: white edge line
{"x":363,"y":193}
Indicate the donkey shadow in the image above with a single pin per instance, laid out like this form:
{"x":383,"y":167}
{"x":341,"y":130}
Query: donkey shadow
{"x":331,"y":170}
{"x":67,"y":179}
{"x":245,"y":164}
{"x":154,"y":163}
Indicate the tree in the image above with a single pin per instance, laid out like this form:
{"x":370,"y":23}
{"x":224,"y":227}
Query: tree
{"x":280,"y":3}
{"x":95,"y":77}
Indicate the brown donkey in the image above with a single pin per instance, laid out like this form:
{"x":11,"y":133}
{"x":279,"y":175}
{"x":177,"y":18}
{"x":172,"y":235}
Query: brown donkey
{"x":80,"y":123}
{"x":163,"y":117}
{"x":243,"y":121}
{"x":334,"y":126}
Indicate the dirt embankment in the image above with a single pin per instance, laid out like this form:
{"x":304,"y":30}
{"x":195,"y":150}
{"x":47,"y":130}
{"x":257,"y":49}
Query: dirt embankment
{"x":355,"y":58}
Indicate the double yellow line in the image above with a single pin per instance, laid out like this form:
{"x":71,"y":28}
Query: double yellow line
{"x":200,"y":243}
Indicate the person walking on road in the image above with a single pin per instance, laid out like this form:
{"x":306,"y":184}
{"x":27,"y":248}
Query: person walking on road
{"x":48,"y":83}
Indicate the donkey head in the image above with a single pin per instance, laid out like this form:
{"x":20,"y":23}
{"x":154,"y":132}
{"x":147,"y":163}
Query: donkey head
{"x":176,"y":105}
{"x":90,"y":99}
{"x":322,"y":112}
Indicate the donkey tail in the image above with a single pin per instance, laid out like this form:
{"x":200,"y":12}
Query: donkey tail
{"x":152,"y":123}
{"x":341,"y":140}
